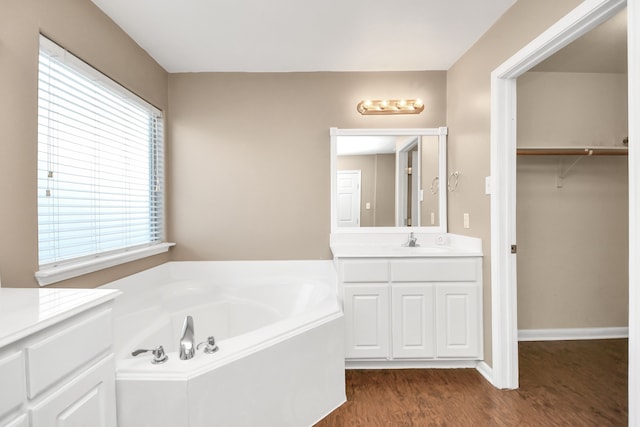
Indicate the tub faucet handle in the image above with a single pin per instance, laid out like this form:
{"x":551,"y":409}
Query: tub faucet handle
{"x":159,"y":356}
{"x":211,"y":346}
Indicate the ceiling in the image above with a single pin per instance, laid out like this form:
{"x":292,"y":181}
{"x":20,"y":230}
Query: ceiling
{"x":295,"y":35}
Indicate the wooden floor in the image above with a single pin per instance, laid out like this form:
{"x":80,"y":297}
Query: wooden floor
{"x":562,"y":383}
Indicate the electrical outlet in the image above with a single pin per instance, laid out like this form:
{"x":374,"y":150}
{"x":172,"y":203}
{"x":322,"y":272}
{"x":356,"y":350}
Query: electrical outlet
{"x":465,"y":220}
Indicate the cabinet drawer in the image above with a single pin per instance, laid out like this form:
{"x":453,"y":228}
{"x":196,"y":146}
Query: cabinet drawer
{"x":435,"y":270}
{"x":364,"y":271}
{"x":12,"y":385}
{"x":64,"y":352}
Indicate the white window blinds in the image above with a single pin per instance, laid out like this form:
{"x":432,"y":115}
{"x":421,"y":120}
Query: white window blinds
{"x":100,"y":163}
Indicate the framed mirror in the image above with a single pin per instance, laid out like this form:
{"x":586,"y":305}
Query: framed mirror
{"x":388,"y":180}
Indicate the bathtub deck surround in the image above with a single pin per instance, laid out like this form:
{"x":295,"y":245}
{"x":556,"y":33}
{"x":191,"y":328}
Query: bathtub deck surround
{"x":56,"y":357}
{"x":410,"y":306}
{"x":279,"y":329}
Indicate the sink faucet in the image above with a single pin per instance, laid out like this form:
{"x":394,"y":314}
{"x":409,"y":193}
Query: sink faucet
{"x":187,"y":345}
{"x":412,"y":241}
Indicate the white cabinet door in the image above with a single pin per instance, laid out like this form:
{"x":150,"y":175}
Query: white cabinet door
{"x":366,"y":311}
{"x":412,"y":319}
{"x":87,"y":400}
{"x":458,"y":319}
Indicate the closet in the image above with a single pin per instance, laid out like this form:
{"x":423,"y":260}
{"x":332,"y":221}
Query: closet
{"x":572,"y":191}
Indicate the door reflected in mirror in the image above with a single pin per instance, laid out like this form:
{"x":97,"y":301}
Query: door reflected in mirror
{"x":389,"y":179}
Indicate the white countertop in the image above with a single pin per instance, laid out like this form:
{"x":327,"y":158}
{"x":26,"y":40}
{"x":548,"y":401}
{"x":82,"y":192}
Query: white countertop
{"x":24,"y":311}
{"x":394,"y":245}
{"x":367,"y":251}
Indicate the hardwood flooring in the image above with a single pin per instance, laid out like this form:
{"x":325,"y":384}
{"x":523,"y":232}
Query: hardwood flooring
{"x":562,"y":383}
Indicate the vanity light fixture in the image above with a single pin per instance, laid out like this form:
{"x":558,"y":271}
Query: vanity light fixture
{"x":390,"y":106}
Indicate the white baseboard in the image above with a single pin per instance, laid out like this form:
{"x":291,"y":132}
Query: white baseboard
{"x":485,"y":370}
{"x":572,"y":334}
{"x":409,"y":364}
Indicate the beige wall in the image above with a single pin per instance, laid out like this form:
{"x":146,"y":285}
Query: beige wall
{"x":250,"y":155}
{"x":84,"y":30}
{"x":572,"y":241}
{"x":468,"y":119}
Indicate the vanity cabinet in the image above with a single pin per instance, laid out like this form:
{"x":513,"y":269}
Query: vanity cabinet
{"x":420,"y":308}
{"x":57,"y":368}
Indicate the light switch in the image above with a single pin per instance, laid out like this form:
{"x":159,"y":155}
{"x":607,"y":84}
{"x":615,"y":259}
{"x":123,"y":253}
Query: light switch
{"x":433,"y":218}
{"x":465,"y":220}
{"x":367,"y":205}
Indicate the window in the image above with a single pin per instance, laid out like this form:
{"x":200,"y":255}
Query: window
{"x":100,"y":169}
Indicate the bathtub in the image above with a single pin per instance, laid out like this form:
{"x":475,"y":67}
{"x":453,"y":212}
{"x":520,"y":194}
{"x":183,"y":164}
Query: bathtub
{"x":279,"y":328}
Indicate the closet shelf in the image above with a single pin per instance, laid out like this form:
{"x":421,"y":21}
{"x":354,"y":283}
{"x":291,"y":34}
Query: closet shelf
{"x":573,"y":151}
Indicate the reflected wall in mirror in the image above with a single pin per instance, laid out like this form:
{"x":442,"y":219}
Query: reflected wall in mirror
{"x":388,"y":178}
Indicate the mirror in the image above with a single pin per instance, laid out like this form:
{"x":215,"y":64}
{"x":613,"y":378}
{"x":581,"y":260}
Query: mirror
{"x":383,"y":179}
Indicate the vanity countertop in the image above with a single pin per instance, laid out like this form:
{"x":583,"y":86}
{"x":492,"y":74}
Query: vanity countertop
{"x":24,"y":311}
{"x":387,"y":251}
{"x":395,"y":245}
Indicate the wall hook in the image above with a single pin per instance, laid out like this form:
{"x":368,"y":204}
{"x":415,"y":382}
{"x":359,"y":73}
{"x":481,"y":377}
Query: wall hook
{"x":452,"y":182}
{"x":435,"y":184}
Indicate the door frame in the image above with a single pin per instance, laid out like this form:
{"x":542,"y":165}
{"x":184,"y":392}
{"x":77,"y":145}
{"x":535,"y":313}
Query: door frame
{"x":589,"y":14}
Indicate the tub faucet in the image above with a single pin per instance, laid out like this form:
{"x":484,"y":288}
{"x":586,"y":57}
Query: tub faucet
{"x":187,"y":345}
{"x":412,"y":241}
{"x":159,"y":356}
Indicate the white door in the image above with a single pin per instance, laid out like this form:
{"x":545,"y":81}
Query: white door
{"x":349,"y":198}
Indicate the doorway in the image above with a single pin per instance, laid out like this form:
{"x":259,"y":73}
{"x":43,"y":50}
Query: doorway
{"x":585,"y":17}
{"x":572,"y":190}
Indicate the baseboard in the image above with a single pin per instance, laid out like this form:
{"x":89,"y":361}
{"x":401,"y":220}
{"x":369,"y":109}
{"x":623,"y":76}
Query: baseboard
{"x":572,"y":334}
{"x":485,"y":370}
{"x":410,"y":364}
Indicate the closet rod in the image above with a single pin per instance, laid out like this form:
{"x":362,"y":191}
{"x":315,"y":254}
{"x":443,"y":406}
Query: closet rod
{"x":572,"y":151}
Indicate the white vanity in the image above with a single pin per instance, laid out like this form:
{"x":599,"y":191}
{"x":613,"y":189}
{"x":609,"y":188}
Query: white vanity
{"x":411,"y":292}
{"x":56,"y":358}
{"x":409,"y":306}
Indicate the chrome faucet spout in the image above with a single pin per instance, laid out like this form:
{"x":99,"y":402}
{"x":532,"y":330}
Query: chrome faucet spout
{"x":412,"y":241}
{"x":187,"y":344}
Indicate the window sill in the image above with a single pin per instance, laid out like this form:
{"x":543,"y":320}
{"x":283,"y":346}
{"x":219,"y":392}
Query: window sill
{"x":47,"y":276}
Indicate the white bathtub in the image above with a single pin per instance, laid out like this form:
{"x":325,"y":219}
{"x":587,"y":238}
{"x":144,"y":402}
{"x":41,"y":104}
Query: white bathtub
{"x":279,"y":329}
